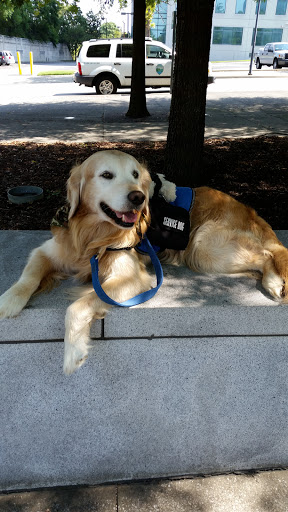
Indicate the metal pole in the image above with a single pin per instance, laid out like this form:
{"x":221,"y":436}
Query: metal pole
{"x":31,"y":62}
{"x":19,"y":63}
{"x":254,"y":38}
{"x":173,"y":50}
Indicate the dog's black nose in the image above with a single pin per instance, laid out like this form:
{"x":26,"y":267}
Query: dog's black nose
{"x":136,"y":197}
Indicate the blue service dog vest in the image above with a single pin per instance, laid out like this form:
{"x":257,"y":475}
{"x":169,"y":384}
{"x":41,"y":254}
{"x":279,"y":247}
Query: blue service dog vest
{"x":170,"y":222}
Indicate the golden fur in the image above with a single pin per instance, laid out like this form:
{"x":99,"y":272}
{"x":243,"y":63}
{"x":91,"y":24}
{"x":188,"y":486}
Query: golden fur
{"x":226,"y":237}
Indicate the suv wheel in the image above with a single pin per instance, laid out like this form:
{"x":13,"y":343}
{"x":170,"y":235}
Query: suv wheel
{"x":258,"y":64}
{"x":276,"y":65}
{"x":106,"y":85}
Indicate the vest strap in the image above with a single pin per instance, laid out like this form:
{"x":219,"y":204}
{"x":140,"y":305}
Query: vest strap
{"x":138,"y":299}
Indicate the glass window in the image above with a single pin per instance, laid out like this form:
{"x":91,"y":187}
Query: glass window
{"x":124,"y":51}
{"x":159,"y":23}
{"x":156,"y":52}
{"x":240,"y":6}
{"x":227,"y":35}
{"x":263,"y":5}
{"x":220,"y":6}
{"x":283,"y":46}
{"x":98,"y":50}
{"x":265,"y":35}
{"x":281,"y":7}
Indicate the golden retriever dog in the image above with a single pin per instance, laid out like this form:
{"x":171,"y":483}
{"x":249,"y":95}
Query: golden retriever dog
{"x":108,"y":196}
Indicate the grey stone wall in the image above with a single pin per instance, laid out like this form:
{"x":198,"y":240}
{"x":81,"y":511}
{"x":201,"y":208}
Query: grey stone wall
{"x":42,"y":52}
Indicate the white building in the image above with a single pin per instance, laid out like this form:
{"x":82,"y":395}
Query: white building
{"x":232,"y":26}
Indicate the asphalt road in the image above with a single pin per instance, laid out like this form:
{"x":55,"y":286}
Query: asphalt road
{"x":54,"y":108}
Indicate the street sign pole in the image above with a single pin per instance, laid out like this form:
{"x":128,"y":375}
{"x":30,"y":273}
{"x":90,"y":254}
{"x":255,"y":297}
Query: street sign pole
{"x":254,"y":38}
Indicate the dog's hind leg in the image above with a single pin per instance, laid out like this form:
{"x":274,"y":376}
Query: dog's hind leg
{"x":275,"y":272}
{"x":226,"y":251}
{"x":38,"y":267}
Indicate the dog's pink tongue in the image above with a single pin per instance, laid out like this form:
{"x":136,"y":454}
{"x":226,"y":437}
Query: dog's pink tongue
{"x":127,"y":216}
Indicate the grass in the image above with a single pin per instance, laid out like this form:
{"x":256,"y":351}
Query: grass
{"x":58,"y":72}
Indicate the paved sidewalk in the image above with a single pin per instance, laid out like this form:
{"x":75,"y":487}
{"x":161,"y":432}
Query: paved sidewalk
{"x":238,"y":105}
{"x":262,"y":492}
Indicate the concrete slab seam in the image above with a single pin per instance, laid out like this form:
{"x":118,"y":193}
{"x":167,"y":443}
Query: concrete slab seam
{"x":150,"y":338}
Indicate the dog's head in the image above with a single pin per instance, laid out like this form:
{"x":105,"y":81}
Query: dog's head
{"x":113,"y":185}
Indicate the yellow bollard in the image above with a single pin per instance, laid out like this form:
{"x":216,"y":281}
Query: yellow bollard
{"x":31,"y":62}
{"x":19,"y":63}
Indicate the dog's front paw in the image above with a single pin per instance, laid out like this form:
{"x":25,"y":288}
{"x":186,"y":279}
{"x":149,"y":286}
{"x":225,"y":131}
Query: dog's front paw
{"x":11,"y":304}
{"x":74,"y":357}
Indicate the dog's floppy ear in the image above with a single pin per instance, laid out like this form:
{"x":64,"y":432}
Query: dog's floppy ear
{"x":74,"y":187}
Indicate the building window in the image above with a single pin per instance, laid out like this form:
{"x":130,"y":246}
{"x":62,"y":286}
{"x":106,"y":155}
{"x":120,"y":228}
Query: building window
{"x":227,"y":35}
{"x":263,"y":5}
{"x":266,"y":35}
{"x":281,"y":7}
{"x":220,"y":6}
{"x":159,"y":23}
{"x":240,"y":6}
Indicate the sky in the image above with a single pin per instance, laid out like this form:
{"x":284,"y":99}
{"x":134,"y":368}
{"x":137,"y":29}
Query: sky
{"x":113,"y":13}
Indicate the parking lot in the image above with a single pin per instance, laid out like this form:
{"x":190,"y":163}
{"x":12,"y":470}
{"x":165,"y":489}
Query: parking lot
{"x":51,"y":108}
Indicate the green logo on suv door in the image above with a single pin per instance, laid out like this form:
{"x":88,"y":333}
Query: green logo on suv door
{"x":159,"y":69}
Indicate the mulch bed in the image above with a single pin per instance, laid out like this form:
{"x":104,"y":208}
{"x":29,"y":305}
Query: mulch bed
{"x":253,"y":170}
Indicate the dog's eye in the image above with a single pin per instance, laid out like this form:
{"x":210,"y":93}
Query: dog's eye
{"x":135,"y":174}
{"x":107,"y":175}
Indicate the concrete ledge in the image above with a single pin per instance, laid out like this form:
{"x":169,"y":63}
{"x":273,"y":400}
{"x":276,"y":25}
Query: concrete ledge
{"x":194,"y":381}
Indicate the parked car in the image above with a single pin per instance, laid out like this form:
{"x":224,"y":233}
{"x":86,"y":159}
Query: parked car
{"x":6,"y":57}
{"x":106,"y":64}
{"x":273,"y":54}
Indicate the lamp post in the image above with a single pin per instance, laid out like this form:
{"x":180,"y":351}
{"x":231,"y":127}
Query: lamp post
{"x":254,"y":38}
{"x":124,"y":14}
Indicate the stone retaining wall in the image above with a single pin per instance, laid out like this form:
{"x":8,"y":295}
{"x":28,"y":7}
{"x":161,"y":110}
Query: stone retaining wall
{"x":42,"y":52}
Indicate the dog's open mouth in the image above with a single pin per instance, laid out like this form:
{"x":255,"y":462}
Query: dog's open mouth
{"x":124,"y":219}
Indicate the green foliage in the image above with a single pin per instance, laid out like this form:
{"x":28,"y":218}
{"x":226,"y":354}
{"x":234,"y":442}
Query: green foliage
{"x":73,"y":30}
{"x":36,"y":20}
{"x":49,"y":20}
{"x":7,"y":7}
{"x":93,"y":22}
{"x":109,"y":30}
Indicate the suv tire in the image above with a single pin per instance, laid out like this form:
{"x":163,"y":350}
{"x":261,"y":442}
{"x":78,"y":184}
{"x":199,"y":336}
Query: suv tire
{"x":258,"y":64}
{"x":106,"y":84}
{"x":276,"y":65}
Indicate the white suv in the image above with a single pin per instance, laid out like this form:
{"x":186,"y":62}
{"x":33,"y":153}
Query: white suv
{"x":106,"y":64}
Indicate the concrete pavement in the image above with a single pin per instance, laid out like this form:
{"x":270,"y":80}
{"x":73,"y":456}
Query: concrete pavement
{"x":263,"y":492}
{"x":238,"y":105}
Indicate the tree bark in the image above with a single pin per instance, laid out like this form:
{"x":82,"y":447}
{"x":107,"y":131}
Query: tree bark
{"x":137,"y":105}
{"x":184,"y":151}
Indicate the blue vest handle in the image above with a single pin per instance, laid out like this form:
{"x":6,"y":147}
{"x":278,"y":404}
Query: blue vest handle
{"x":138,"y":299}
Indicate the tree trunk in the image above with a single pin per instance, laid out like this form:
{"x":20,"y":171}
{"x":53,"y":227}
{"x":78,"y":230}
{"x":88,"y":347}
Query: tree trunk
{"x":137,"y":105}
{"x":184,"y":151}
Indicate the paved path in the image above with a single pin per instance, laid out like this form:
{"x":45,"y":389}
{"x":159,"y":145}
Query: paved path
{"x":262,"y":492}
{"x":53,"y":108}
{"x":235,"y":108}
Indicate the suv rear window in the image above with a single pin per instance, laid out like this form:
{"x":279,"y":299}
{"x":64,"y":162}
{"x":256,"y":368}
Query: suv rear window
{"x":124,"y":50}
{"x":98,"y":50}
